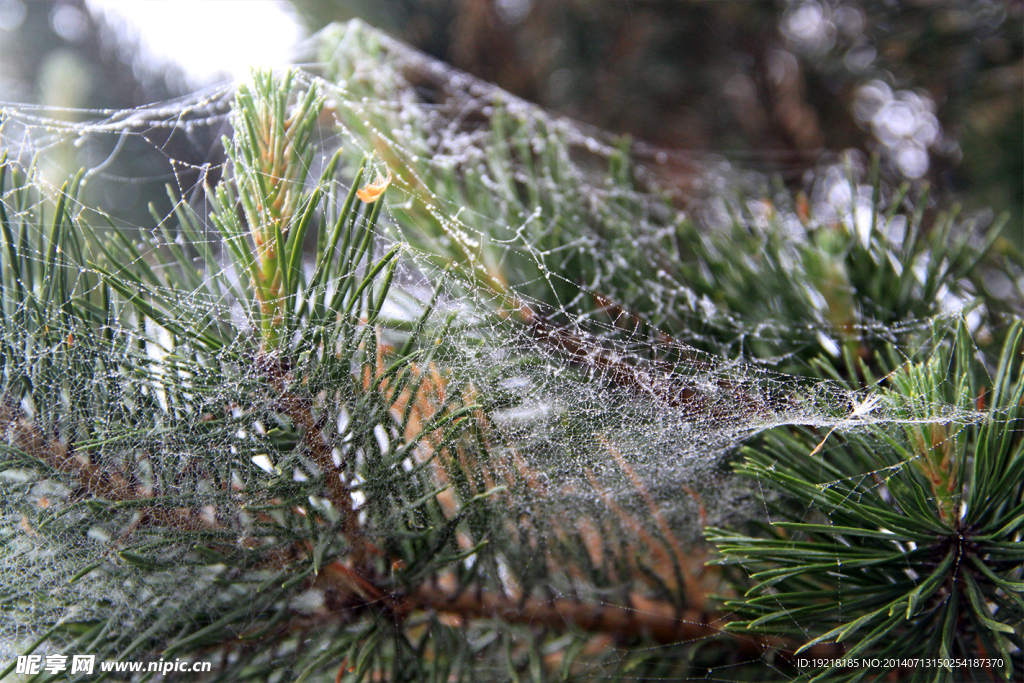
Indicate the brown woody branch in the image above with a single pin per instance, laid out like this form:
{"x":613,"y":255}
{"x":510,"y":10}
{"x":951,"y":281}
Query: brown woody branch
{"x":658,"y":621}
{"x":95,"y":480}
{"x":300,"y":410}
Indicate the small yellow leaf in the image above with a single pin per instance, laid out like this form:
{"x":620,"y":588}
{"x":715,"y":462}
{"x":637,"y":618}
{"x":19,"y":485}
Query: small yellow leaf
{"x":371,"y":192}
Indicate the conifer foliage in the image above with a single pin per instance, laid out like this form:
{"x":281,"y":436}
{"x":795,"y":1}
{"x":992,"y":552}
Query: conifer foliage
{"x":304,"y":436}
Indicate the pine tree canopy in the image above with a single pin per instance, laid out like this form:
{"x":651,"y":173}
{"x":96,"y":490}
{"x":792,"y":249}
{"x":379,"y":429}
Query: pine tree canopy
{"x":409,"y":380}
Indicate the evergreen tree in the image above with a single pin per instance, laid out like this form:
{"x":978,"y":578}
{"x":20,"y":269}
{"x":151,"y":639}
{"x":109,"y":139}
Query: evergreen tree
{"x":475,"y":436}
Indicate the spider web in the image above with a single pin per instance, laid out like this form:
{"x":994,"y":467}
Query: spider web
{"x":617,"y":389}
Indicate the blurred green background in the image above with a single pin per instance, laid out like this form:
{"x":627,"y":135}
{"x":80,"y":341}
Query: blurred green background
{"x":935,"y":88}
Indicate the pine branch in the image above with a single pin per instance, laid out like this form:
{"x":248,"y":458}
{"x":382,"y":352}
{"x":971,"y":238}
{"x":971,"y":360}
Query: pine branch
{"x":305,"y":469}
{"x":914,"y":549}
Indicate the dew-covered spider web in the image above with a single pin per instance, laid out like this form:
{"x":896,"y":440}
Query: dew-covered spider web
{"x":599,"y":330}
